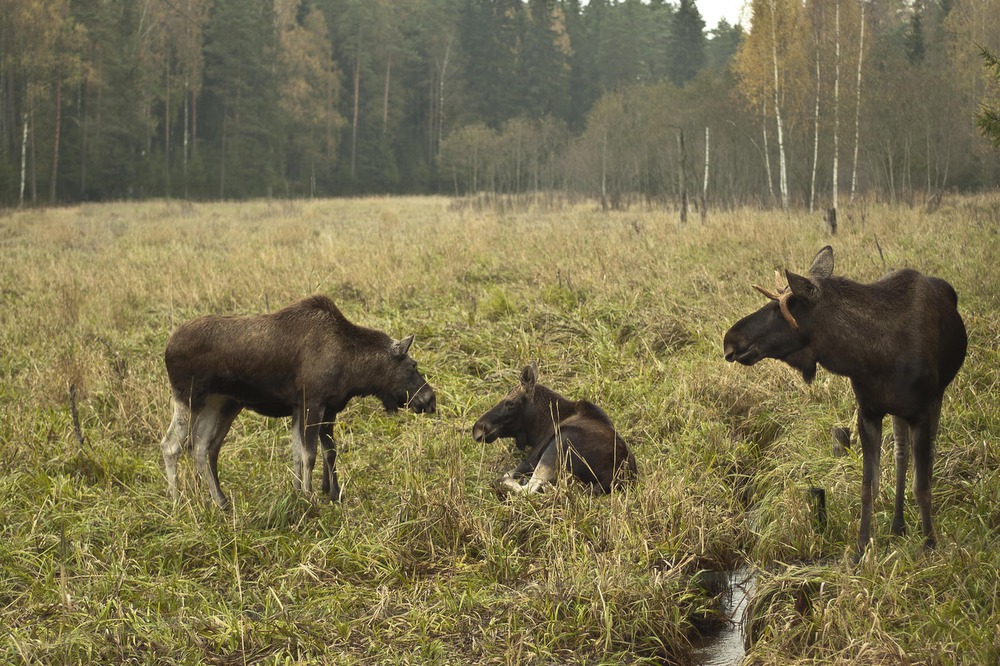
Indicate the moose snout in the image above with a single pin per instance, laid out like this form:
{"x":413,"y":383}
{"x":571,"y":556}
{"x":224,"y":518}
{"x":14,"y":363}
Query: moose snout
{"x":424,"y":402}
{"x":481,"y":431}
{"x":737,"y":349}
{"x":730,"y":352}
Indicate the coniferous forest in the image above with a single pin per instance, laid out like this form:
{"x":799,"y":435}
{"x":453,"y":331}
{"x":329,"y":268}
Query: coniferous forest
{"x":628,"y":101}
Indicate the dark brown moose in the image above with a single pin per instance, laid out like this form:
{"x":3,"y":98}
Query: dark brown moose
{"x":305,"y":361}
{"x":578,"y":433}
{"x":900,"y":340}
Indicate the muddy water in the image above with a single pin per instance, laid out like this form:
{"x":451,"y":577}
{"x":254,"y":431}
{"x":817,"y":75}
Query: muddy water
{"x":725,"y":647}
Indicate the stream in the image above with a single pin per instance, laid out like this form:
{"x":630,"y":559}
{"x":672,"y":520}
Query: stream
{"x":725,"y":647}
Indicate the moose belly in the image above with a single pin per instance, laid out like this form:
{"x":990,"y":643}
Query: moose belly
{"x":255,"y":396}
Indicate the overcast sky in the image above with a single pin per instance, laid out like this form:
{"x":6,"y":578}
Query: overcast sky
{"x":713,"y":10}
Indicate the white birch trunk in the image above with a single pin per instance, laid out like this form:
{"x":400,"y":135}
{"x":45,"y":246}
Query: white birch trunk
{"x":604,"y":171}
{"x":782,"y":171}
{"x":444,"y":68}
{"x":857,"y":107}
{"x":354,"y":122}
{"x":681,"y":177}
{"x":767,"y":154}
{"x":836,"y":107}
{"x":385,"y":99}
{"x":812,"y":178}
{"x":24,"y":159}
{"x":184,"y":148}
{"x":704,"y":184}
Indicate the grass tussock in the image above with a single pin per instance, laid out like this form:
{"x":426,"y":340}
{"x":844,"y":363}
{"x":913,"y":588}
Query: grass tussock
{"x":422,"y":562}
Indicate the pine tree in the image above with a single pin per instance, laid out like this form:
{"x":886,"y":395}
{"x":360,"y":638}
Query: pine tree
{"x":242,"y":122}
{"x":544,"y":61}
{"x":915,"y":44}
{"x":687,"y":41}
{"x":582,"y":28}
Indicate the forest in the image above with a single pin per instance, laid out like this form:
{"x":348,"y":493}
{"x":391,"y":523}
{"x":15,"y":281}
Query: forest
{"x":813,"y":103}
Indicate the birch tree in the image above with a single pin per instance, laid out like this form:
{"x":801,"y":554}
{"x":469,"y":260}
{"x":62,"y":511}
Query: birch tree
{"x":836,"y":115}
{"x":857,"y":100}
{"x":760,"y":68}
{"x":817,"y":25}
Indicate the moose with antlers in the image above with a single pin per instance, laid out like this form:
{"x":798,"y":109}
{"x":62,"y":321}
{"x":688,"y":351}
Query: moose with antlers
{"x":900,"y":340}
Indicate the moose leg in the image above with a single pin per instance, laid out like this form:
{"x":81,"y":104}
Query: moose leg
{"x":870,"y":430}
{"x":305,"y":437}
{"x":331,"y":487}
{"x":227,"y":414}
{"x":527,"y":466}
{"x":297,"y":429}
{"x":901,"y":439}
{"x":922,"y":436}
{"x":207,"y":422}
{"x":173,"y":443}
{"x":545,"y":471}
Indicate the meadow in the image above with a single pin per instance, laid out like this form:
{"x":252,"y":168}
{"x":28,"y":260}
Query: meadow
{"x":423,"y":562}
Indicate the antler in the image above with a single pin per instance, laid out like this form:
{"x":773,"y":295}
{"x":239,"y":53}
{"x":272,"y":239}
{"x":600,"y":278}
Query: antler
{"x":781,"y":294}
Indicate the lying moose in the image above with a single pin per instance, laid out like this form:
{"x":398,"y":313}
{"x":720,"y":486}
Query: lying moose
{"x":577,"y":435}
{"x":305,"y":361}
{"x":900,"y":340}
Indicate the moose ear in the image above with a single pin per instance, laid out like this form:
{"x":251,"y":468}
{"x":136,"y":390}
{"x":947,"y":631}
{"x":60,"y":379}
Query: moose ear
{"x":399,"y":349}
{"x":822,"y":265}
{"x":802,"y":286}
{"x":529,"y":375}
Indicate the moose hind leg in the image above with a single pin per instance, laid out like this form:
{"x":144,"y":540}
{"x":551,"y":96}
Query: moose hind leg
{"x":207,"y":422}
{"x":173,"y":443}
{"x":902,"y":442}
{"x":922,"y":436}
{"x":227,"y":415}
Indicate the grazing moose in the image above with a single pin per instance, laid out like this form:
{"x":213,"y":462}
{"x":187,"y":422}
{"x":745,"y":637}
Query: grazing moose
{"x":305,"y":361}
{"x":900,"y":340}
{"x":577,"y":435}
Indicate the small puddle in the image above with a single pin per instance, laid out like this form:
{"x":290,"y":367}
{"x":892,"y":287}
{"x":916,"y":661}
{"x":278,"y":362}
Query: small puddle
{"x":725,"y":647}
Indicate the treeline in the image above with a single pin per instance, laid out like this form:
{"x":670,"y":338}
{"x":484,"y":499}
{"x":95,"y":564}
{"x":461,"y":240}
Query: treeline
{"x":624,"y":100}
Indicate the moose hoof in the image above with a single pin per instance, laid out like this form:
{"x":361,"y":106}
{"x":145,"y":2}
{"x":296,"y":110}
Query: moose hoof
{"x":512,"y":485}
{"x":508,"y":483}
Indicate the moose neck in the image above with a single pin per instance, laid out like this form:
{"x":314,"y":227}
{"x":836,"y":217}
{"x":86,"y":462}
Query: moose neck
{"x":550,"y":408}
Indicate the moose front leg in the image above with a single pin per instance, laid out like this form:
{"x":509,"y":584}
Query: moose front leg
{"x":870,"y":431}
{"x":512,"y":479}
{"x":545,"y":471}
{"x":331,"y":487}
{"x":305,"y":436}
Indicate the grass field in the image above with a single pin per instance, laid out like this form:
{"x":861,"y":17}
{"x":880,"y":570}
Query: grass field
{"x":422,"y":562}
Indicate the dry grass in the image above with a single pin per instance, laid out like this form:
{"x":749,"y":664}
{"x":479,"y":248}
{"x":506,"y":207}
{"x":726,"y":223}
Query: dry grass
{"x":422,"y":563}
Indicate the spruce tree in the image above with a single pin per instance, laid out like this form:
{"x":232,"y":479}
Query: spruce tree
{"x":687,"y":39}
